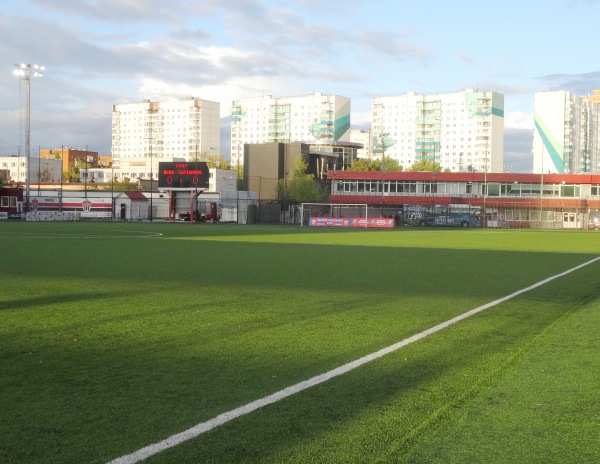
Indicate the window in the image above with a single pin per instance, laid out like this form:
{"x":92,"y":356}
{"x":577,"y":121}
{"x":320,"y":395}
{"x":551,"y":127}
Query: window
{"x":493,"y":189}
{"x":570,"y":191}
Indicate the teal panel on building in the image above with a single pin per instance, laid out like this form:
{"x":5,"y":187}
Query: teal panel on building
{"x":553,"y":147}
{"x":340,"y":127}
{"x":342,"y":123}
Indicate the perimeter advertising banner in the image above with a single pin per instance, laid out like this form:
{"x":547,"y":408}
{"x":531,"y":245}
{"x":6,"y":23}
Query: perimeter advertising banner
{"x":374,"y":223}
{"x":45,"y":208}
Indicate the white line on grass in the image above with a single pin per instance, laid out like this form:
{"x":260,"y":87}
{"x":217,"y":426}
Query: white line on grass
{"x":221,"y":419}
{"x":72,"y":235}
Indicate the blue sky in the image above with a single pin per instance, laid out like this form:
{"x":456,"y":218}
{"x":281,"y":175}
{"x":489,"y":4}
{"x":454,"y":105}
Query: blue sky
{"x":101,"y":52}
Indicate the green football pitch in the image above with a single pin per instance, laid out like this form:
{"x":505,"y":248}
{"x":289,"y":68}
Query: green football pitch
{"x":219,"y":343}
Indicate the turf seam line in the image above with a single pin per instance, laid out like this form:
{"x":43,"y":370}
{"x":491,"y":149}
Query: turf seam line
{"x":225,"y":417}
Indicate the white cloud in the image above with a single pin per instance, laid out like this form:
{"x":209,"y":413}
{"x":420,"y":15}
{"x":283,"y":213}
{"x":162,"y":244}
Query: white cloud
{"x":361,"y":120}
{"x":518,"y":120}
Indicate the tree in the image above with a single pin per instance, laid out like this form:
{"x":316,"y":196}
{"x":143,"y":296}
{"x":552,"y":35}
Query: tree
{"x":392,"y":165}
{"x":217,"y":161}
{"x":375,"y":165}
{"x":121,"y":186}
{"x":301,"y":187}
{"x":71,"y":174}
{"x":425,"y":165}
{"x":360,"y":165}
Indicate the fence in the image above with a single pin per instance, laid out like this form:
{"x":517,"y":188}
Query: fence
{"x":243,"y":208}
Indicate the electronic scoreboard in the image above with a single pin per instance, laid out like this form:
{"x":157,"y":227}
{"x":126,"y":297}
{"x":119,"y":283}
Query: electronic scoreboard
{"x":183,"y":175}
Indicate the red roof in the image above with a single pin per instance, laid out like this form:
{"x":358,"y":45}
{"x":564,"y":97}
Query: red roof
{"x":136,"y":195}
{"x":441,"y":176}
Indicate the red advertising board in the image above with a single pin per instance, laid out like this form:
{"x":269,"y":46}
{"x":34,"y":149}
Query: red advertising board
{"x":373,"y":223}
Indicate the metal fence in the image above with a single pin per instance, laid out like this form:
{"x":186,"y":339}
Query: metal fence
{"x":242,"y":208}
{"x":509,"y":217}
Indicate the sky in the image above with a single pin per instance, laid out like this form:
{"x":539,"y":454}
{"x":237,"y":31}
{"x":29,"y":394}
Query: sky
{"x":102,"y":52}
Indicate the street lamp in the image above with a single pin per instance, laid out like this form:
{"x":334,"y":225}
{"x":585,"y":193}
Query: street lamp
{"x":112,"y":188}
{"x":24,"y":72}
{"x":151,"y":120}
{"x":88,"y":160}
{"x":62,"y":155}
{"x":382,"y":137}
{"x":433,"y":190}
{"x":485,"y":185}
{"x":151,"y":181}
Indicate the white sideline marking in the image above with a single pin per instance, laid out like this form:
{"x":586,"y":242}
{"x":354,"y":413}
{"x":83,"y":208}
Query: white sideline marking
{"x":74,"y":236}
{"x":221,"y":419}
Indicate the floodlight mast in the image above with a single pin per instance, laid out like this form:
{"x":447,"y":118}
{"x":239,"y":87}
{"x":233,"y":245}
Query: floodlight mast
{"x":24,"y":72}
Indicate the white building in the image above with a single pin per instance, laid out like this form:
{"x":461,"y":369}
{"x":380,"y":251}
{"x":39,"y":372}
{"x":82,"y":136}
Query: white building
{"x":309,"y":119}
{"x":41,"y":170}
{"x":364,"y":137}
{"x":219,"y":181}
{"x":566,"y":134}
{"x":461,"y":131}
{"x":188,"y":128}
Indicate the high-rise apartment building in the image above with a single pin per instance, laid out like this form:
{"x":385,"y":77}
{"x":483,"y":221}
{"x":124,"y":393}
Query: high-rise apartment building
{"x":187,"y":129}
{"x":317,"y":118}
{"x":364,"y":138}
{"x":566,"y":133}
{"x":594,"y":97}
{"x":461,"y":131}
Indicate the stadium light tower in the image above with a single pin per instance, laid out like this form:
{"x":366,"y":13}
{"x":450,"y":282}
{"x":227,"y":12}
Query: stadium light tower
{"x":24,"y":72}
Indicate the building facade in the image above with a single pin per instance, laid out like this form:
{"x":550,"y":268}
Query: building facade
{"x":594,"y":97}
{"x":566,"y":133}
{"x":39,"y":170}
{"x":316,"y":118}
{"x":72,"y":157}
{"x":188,"y":128}
{"x":364,"y":138}
{"x":265,"y":164}
{"x":506,"y":200}
{"x":461,"y":131}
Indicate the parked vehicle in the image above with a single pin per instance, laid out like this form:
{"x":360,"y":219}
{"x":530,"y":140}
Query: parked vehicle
{"x":594,"y":221}
{"x":442,"y":215}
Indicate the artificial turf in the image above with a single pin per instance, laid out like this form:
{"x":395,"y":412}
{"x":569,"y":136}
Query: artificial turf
{"x":114,"y":336}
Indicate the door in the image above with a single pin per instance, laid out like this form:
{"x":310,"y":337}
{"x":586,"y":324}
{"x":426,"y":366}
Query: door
{"x":570,"y":220}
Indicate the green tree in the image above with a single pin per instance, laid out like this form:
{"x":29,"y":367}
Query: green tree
{"x":283,"y":193}
{"x":217,"y":161}
{"x":71,"y":174}
{"x":124,"y":185}
{"x":360,"y":165}
{"x":375,"y":165}
{"x":301,"y":187}
{"x":425,"y":165}
{"x":391,"y":165}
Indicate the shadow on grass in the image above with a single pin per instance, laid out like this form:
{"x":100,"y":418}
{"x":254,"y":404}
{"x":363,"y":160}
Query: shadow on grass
{"x":113,"y":395}
{"x":272,"y":266}
{"x":39,"y":302}
{"x":123,"y":385}
{"x":378,"y":409}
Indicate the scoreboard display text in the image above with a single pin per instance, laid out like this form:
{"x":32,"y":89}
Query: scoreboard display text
{"x":183,"y":175}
